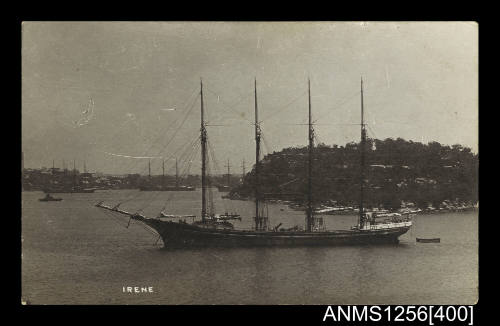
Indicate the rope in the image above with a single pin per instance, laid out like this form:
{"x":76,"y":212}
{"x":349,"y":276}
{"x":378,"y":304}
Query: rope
{"x":129,"y":164}
{"x":155,"y":195}
{"x":284,"y":107}
{"x":231,"y":107}
{"x":171,"y":138}
{"x":134,"y":196}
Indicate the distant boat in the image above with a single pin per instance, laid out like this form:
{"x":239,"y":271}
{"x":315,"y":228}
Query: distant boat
{"x":429,"y":240}
{"x":65,"y":188}
{"x":48,"y":197}
{"x":227,"y":186}
{"x":162,"y":186}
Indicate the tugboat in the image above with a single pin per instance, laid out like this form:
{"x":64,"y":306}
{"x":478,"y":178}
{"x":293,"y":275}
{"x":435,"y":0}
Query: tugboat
{"x":212,"y":232}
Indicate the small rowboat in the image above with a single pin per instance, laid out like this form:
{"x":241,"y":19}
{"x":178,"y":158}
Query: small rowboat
{"x":430,"y":240}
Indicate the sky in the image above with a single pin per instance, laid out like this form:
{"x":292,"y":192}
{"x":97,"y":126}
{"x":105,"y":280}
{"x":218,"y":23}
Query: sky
{"x":118,"y":94}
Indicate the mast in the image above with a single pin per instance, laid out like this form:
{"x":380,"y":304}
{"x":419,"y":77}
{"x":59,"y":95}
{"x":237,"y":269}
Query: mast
{"x":203,"y":131}
{"x":362,"y":149}
{"x":74,"y":174}
{"x":162,"y":173}
{"x":149,"y":169}
{"x":257,"y":155}
{"x":53,"y":169}
{"x":176,"y":174}
{"x":228,"y":174}
{"x":84,"y":167}
{"x":309,"y":172}
{"x":243,"y":170}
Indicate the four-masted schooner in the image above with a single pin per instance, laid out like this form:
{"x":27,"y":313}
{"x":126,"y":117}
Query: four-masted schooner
{"x":211,"y":230}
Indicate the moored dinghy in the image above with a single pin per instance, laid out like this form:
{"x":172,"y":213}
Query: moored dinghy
{"x":429,"y":240}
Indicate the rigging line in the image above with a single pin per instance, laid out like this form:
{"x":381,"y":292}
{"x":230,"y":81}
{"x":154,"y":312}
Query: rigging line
{"x":115,"y":135}
{"x":182,"y":175}
{"x":188,"y":107}
{"x":148,"y":203}
{"x":122,"y":125}
{"x":231,"y":107}
{"x":186,"y":147}
{"x":192,"y":150}
{"x":266,"y":145}
{"x":173,"y":136}
{"x":214,"y":159}
{"x":229,"y":122}
{"x":210,"y":189}
{"x":184,"y":107}
{"x":188,"y":156}
{"x":371,"y":131}
{"x":341,"y":103}
{"x":316,"y":137}
{"x":190,"y":160}
{"x":345,"y":100}
{"x":211,"y":152}
{"x":145,"y":227}
{"x":158,"y":193}
{"x":284,"y":107}
{"x":188,"y":152}
{"x":114,"y":218}
{"x":176,"y":130}
{"x":139,"y":193}
{"x":129,"y":164}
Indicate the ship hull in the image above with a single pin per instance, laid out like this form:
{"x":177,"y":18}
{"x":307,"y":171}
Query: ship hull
{"x":182,"y":235}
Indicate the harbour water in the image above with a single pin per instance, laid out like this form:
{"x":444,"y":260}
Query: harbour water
{"x":74,"y":253}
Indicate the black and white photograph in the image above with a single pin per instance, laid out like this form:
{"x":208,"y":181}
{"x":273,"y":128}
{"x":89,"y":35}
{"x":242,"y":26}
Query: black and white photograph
{"x":249,"y":163}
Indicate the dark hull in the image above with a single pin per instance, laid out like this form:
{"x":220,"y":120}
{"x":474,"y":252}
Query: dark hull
{"x":433,"y":240}
{"x":182,"y":235}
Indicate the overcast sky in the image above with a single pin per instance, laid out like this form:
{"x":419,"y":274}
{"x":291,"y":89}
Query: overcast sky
{"x":96,"y":90}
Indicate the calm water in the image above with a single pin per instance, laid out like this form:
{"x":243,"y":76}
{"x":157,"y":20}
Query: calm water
{"x":74,"y":253}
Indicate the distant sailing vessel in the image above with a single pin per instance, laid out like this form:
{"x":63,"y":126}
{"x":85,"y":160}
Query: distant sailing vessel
{"x":64,"y":188}
{"x":211,"y":230}
{"x":162,"y":187}
{"x":227,"y":186}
